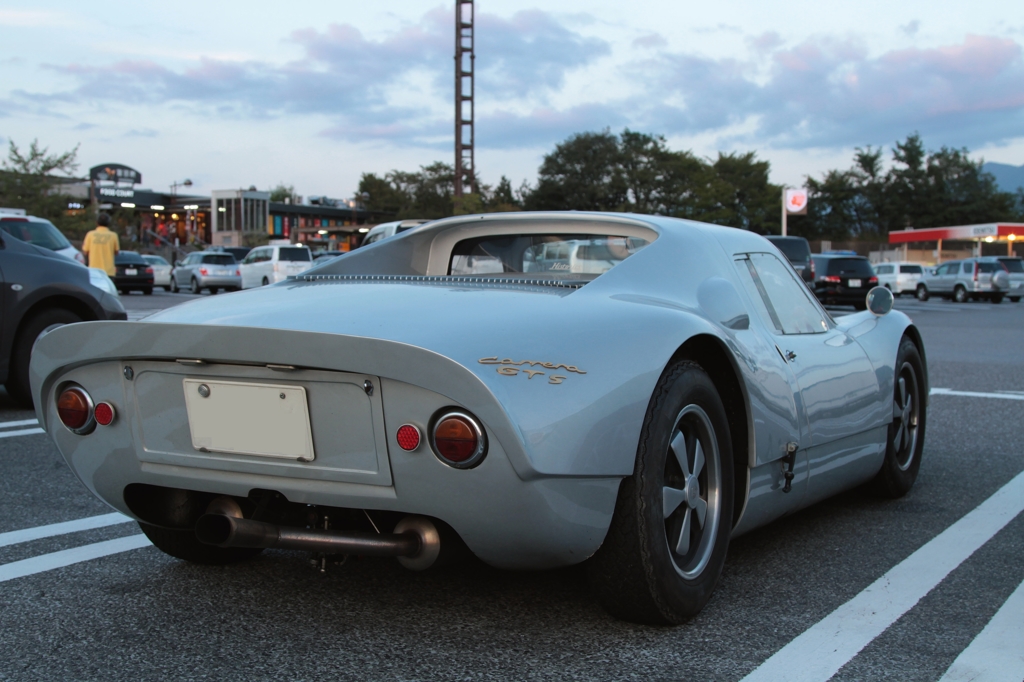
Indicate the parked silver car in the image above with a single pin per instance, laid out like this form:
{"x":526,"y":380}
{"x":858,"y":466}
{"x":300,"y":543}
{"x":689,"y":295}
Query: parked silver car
{"x":970,"y":279}
{"x":1015,"y":266}
{"x":161,"y":270}
{"x":212,"y":271}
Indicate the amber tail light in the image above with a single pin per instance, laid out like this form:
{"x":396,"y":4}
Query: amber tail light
{"x":75,"y":410}
{"x":458,"y":439}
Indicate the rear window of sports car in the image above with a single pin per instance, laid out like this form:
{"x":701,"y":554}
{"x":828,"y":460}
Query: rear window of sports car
{"x":542,"y":255}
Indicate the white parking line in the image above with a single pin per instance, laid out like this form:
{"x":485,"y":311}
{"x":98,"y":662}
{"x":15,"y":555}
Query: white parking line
{"x":67,"y":557}
{"x":20,"y":422}
{"x":28,"y":534}
{"x":1005,"y":395}
{"x":997,"y":653}
{"x":23,"y":432}
{"x":818,"y":653}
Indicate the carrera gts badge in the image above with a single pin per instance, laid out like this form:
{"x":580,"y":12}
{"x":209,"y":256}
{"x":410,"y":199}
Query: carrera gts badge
{"x":510,"y":368}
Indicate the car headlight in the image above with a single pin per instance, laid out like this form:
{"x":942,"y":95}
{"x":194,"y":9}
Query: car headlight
{"x":102,"y":281}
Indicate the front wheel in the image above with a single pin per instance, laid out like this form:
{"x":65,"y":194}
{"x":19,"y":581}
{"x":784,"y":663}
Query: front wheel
{"x":174,"y":286}
{"x":668,"y":538}
{"x":905,"y":439}
{"x":922,"y":292}
{"x":183,"y":544}
{"x":17,"y":378}
{"x":960,"y":294}
{"x":1014,"y":299}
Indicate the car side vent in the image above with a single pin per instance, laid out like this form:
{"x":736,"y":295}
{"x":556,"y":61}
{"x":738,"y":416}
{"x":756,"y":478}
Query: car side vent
{"x":510,"y":282}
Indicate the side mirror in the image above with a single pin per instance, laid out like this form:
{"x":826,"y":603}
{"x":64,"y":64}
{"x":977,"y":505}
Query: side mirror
{"x":177,"y":263}
{"x":880,"y":301}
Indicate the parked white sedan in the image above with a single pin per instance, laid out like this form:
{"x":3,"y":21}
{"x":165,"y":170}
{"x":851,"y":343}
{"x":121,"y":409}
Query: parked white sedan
{"x":161,"y":271}
{"x":271,"y":264}
{"x":899,"y":278}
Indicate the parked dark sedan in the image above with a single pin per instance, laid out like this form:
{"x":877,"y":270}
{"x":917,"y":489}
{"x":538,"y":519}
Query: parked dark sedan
{"x":133,"y":273}
{"x":843,"y":279}
{"x":43,"y":290}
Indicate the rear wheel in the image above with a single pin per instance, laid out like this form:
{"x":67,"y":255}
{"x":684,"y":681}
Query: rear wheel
{"x":148,"y":291}
{"x":1014,"y":299}
{"x":183,"y":544}
{"x":906,"y":432}
{"x":997,"y":298}
{"x":266,"y":281}
{"x":194,"y":287}
{"x":668,"y":538}
{"x":45,"y":321}
{"x":213,"y":290}
{"x":922,"y":292}
{"x":960,"y":294}
{"x":174,"y":286}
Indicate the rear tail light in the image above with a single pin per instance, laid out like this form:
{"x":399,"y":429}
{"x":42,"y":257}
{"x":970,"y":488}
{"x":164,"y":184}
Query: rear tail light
{"x":811,"y":266}
{"x":104,"y":414}
{"x":204,"y":272}
{"x":79,"y":257}
{"x":834,"y":279}
{"x":75,"y":410}
{"x":238,"y":273}
{"x":872,"y":280}
{"x":458,"y":439}
{"x":408,"y":437}
{"x":149,"y":271}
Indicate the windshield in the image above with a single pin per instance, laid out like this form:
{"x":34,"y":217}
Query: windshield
{"x":39,"y":232}
{"x":793,"y":248}
{"x":219,"y":259}
{"x":544,"y":255}
{"x":294,"y":253}
{"x":155,"y":260}
{"x":849,"y":266}
{"x":1013,"y":264}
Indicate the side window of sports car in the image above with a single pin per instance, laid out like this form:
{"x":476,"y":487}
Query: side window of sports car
{"x":787,"y":304}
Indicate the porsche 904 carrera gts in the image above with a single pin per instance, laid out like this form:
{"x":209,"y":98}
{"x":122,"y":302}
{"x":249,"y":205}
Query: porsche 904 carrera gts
{"x":543,"y":389}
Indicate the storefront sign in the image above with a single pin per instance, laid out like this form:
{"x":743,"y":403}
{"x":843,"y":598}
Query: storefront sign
{"x":115,"y":193}
{"x":115,"y":172}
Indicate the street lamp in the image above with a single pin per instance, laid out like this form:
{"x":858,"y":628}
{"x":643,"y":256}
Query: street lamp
{"x":175,"y":185}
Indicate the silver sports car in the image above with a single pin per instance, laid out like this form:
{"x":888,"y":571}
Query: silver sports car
{"x":545,"y":389}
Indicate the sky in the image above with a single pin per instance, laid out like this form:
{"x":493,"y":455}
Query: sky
{"x":314,"y":94}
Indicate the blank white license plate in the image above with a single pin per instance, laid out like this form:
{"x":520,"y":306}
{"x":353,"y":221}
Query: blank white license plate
{"x":267,"y":420}
{"x":854,"y":284}
{"x":131,"y":271}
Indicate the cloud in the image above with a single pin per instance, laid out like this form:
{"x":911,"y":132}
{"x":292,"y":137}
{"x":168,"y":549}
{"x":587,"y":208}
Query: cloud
{"x":142,"y":132}
{"x":832,"y":93}
{"x":651,"y":40}
{"x":911,"y":28}
{"x":544,"y":126}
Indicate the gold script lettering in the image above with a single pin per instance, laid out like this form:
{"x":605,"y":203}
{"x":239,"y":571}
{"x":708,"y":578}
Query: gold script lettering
{"x":493,"y":360}
{"x":508,"y":371}
{"x":533,"y":372}
{"x":556,"y":379}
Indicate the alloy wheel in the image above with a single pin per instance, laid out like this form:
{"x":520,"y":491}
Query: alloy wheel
{"x":905,"y":415}
{"x":692,"y":494}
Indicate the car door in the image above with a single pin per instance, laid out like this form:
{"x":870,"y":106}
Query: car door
{"x":840,"y":394}
{"x":248,"y":268}
{"x":946,"y":277}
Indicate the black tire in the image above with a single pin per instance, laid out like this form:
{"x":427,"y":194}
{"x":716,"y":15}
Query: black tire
{"x":213,"y":290}
{"x":639,"y":574}
{"x":960,"y":294}
{"x":905,"y":437}
{"x":148,"y":291}
{"x":997,"y":298}
{"x":174,"y":286}
{"x":265,"y":281}
{"x":922,"y":292}
{"x":17,"y":378}
{"x":860,"y":305}
{"x":183,"y":544}
{"x":1014,"y":299}
{"x":194,"y":287}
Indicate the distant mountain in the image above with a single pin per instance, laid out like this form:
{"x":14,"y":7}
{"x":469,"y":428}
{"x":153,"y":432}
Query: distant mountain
{"x":1008,"y":177}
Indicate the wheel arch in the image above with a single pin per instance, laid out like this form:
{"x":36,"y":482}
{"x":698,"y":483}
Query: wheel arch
{"x":711,"y":353}
{"x":915,"y":336}
{"x":69,"y":303}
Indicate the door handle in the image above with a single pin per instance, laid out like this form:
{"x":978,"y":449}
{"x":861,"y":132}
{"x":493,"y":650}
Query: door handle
{"x":790,"y":355}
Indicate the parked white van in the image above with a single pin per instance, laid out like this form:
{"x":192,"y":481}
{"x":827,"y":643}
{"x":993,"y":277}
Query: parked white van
{"x":385,"y":230}
{"x":269,"y":264}
{"x":900,"y":277}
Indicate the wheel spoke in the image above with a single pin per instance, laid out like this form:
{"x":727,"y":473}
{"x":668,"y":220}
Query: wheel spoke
{"x":679,"y":450}
{"x":698,"y":459}
{"x":671,"y":499}
{"x":683,"y":545}
{"x":897,"y":409}
{"x":903,"y":391}
{"x":702,"y":511}
{"x":897,"y":442}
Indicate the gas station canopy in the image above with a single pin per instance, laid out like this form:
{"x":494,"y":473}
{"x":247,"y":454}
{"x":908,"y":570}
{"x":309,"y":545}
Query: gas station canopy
{"x":989,"y":232}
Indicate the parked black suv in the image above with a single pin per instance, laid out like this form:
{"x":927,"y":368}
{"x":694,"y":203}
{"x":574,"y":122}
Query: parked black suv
{"x":41,"y":290}
{"x":798,"y":252}
{"x":843,"y":279}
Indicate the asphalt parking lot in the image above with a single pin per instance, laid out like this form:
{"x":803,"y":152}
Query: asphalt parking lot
{"x":927,"y":587}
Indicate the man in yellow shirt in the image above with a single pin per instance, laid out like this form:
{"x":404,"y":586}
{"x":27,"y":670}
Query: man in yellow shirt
{"x":101,"y":245}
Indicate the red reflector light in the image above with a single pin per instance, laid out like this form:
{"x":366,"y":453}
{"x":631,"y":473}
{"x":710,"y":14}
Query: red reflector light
{"x":74,"y":407}
{"x":203,"y":271}
{"x":238,"y":273}
{"x":104,"y":414}
{"x":149,"y":271}
{"x":872,"y":280}
{"x":408,"y":437}
{"x":458,"y":440}
{"x":832,"y":278}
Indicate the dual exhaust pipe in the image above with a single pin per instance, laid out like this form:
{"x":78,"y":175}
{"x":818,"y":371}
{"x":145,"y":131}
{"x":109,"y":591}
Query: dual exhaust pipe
{"x":415,"y":543}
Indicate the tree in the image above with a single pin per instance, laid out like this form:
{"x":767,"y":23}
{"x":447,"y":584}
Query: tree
{"x":738,"y":194}
{"x":35,"y":179}
{"x":583,"y":173}
{"x":284,"y":193}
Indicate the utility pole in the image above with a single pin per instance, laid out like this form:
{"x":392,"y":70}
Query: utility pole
{"x":464,"y":90}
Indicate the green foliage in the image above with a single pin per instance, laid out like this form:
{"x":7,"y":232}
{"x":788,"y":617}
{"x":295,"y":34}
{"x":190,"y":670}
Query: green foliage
{"x":582,"y":173}
{"x":430,"y":193}
{"x":34,"y":179}
{"x":921,"y":189}
{"x":282,"y":191}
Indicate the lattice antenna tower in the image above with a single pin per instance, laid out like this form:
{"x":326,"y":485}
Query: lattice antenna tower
{"x":465,"y":175}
